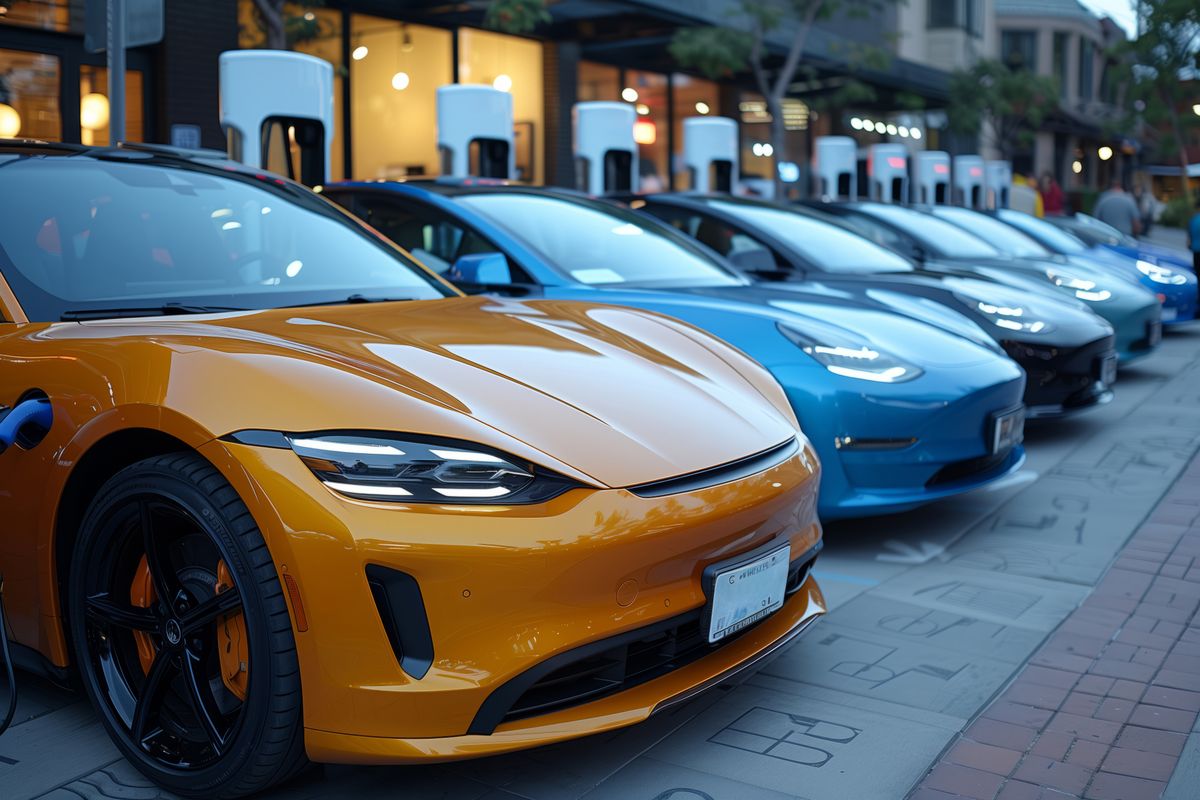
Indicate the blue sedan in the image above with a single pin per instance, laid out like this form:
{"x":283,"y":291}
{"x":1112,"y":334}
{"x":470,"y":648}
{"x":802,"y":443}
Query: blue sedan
{"x":900,"y":412}
{"x":1095,"y":233}
{"x":1175,"y":287}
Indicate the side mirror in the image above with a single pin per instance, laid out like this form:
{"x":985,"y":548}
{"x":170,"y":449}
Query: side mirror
{"x":481,"y":269}
{"x":757,"y":260}
{"x":920,"y":254}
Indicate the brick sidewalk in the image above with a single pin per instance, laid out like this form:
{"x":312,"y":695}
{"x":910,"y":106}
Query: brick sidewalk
{"x":1102,"y":710}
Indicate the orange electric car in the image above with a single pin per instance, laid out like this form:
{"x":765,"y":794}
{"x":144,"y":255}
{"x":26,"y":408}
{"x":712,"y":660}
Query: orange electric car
{"x":275,"y":492}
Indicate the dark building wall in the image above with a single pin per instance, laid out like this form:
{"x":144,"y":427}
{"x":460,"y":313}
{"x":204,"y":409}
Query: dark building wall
{"x":187,"y":84}
{"x":561,"y":81}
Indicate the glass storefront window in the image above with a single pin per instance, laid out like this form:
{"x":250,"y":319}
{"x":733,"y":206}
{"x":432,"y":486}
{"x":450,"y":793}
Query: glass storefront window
{"x":648,"y":93}
{"x":318,"y":32}
{"x":94,"y":109}
{"x":50,"y":15}
{"x":694,"y":97}
{"x":598,"y":82}
{"x":395,"y":70}
{"x":757,"y":153}
{"x":514,"y":65}
{"x":29,"y":88}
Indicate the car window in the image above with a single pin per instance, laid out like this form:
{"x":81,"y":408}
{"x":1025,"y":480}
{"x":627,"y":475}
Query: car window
{"x":830,"y":247}
{"x":937,"y":236}
{"x":83,"y":233}
{"x":876,"y":232}
{"x":598,"y":242}
{"x":433,"y":238}
{"x":1005,"y":238}
{"x":1047,"y":233}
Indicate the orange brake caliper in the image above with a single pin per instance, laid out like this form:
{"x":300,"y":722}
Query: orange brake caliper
{"x":231,"y":630}
{"x":231,"y":641}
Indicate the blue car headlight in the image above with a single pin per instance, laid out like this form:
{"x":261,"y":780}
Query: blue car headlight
{"x":850,"y":359}
{"x":1160,"y":274}
{"x":406,"y":469}
{"x":1083,"y":288}
{"x":1011,"y":315}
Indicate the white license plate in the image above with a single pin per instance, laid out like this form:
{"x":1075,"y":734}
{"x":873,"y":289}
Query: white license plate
{"x":1008,"y":430}
{"x":1169,"y":314}
{"x":1108,"y":369}
{"x":1154,"y":332}
{"x":744,"y":594}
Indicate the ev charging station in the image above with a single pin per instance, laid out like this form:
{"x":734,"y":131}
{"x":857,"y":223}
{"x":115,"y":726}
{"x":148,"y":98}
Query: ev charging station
{"x":998,"y":178}
{"x":606,"y":156}
{"x":277,"y":112}
{"x":887,"y":173}
{"x":931,"y":177}
{"x":968,"y":181}
{"x":835,"y":167}
{"x":710,"y":151}
{"x":475,"y":131}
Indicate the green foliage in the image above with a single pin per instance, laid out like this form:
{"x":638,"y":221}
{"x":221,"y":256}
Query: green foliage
{"x":1155,"y":67}
{"x":516,"y":16}
{"x":713,"y":52}
{"x":1177,"y":213}
{"x":281,"y":25}
{"x":1007,"y":104}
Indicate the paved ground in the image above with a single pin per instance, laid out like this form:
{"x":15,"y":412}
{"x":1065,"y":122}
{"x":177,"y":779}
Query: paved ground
{"x":935,"y":615}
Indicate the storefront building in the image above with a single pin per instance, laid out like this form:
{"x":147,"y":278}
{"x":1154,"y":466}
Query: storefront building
{"x":390,"y":58}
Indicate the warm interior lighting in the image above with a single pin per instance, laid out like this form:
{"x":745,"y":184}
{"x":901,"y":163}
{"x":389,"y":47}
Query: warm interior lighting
{"x":360,"y":52}
{"x":629,"y":94}
{"x":1077,"y":167}
{"x":702,"y":107}
{"x":503,"y":82}
{"x":644,"y":132}
{"x":93,"y":111}
{"x":400,"y":81}
{"x":1105,"y":153}
{"x":10,"y":121}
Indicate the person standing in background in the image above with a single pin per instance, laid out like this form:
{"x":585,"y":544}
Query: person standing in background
{"x":1054,"y":201}
{"x":1118,"y":209}
{"x":1147,"y":203}
{"x":1024,"y":196}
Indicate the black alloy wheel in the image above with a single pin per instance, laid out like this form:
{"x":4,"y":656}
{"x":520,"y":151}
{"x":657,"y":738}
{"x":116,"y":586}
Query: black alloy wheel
{"x":182,"y":634}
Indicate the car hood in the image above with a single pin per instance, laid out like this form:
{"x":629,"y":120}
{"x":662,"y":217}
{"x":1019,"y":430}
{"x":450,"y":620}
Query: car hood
{"x":612,"y":395}
{"x":748,"y":315}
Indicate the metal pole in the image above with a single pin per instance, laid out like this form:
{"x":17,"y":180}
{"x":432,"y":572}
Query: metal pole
{"x":116,"y":71}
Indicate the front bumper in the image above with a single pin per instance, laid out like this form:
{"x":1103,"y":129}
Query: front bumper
{"x":888,"y":448}
{"x":502,"y":590}
{"x":1062,"y":381}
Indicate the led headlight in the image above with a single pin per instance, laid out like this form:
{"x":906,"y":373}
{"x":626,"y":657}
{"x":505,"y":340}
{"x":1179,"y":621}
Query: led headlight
{"x":414,"y":470}
{"x":852,"y":359}
{"x":1161,"y":274}
{"x":1083,"y":288}
{"x":1006,"y":314}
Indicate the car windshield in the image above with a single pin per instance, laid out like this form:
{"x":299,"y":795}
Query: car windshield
{"x":1100,"y":232}
{"x":595,"y":242}
{"x":82,"y":236}
{"x":1047,"y":233}
{"x":1005,"y":238}
{"x":827,"y":245}
{"x":940,"y":238}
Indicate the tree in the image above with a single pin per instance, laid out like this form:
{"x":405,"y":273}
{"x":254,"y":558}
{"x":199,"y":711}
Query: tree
{"x":1005,"y":105}
{"x":1160,"y":62}
{"x":284,"y":24}
{"x":516,"y":16}
{"x":723,"y":51}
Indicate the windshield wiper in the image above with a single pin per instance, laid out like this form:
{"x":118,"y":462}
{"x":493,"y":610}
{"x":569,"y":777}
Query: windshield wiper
{"x":165,"y":310}
{"x":351,"y":300}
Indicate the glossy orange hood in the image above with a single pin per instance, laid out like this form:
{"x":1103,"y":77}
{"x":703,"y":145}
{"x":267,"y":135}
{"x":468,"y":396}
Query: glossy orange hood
{"x":611,"y":395}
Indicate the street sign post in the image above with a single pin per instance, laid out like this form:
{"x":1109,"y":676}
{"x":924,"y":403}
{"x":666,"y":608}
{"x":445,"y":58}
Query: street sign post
{"x":111,"y":26}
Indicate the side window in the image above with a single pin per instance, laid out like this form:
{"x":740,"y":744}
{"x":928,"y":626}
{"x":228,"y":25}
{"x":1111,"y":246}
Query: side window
{"x":677,"y":218}
{"x":434,"y":239}
{"x":739,"y":247}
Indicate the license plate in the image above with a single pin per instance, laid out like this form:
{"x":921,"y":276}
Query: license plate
{"x":1168,"y":314}
{"x":1154,"y":333}
{"x":1106,"y":369}
{"x":745,"y":593}
{"x":1008,"y":429}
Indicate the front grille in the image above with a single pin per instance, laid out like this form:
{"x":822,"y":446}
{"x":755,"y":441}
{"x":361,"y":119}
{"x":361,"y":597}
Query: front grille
{"x":612,"y":665}
{"x":960,"y":470}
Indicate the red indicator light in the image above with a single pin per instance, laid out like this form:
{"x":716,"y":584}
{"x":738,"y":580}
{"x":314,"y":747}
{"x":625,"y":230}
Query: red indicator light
{"x":941,"y":169}
{"x":896,"y":161}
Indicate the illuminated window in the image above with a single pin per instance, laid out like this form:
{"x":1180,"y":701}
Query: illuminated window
{"x":514,"y":65}
{"x":598,"y":82}
{"x":29,"y":85}
{"x":694,"y":97}
{"x":395,"y":71}
{"x":50,"y":15}
{"x":94,"y":110}
{"x":649,"y":93}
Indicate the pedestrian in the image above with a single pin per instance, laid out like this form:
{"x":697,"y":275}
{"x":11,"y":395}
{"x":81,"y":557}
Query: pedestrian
{"x":1024,"y":196}
{"x":1147,"y":204}
{"x":1118,"y":209}
{"x":1054,"y":201}
{"x":1193,"y":235}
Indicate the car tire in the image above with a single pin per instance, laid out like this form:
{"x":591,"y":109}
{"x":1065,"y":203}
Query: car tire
{"x":172,"y":669}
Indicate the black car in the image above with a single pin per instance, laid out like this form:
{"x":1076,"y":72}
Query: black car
{"x":1065,"y":349}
